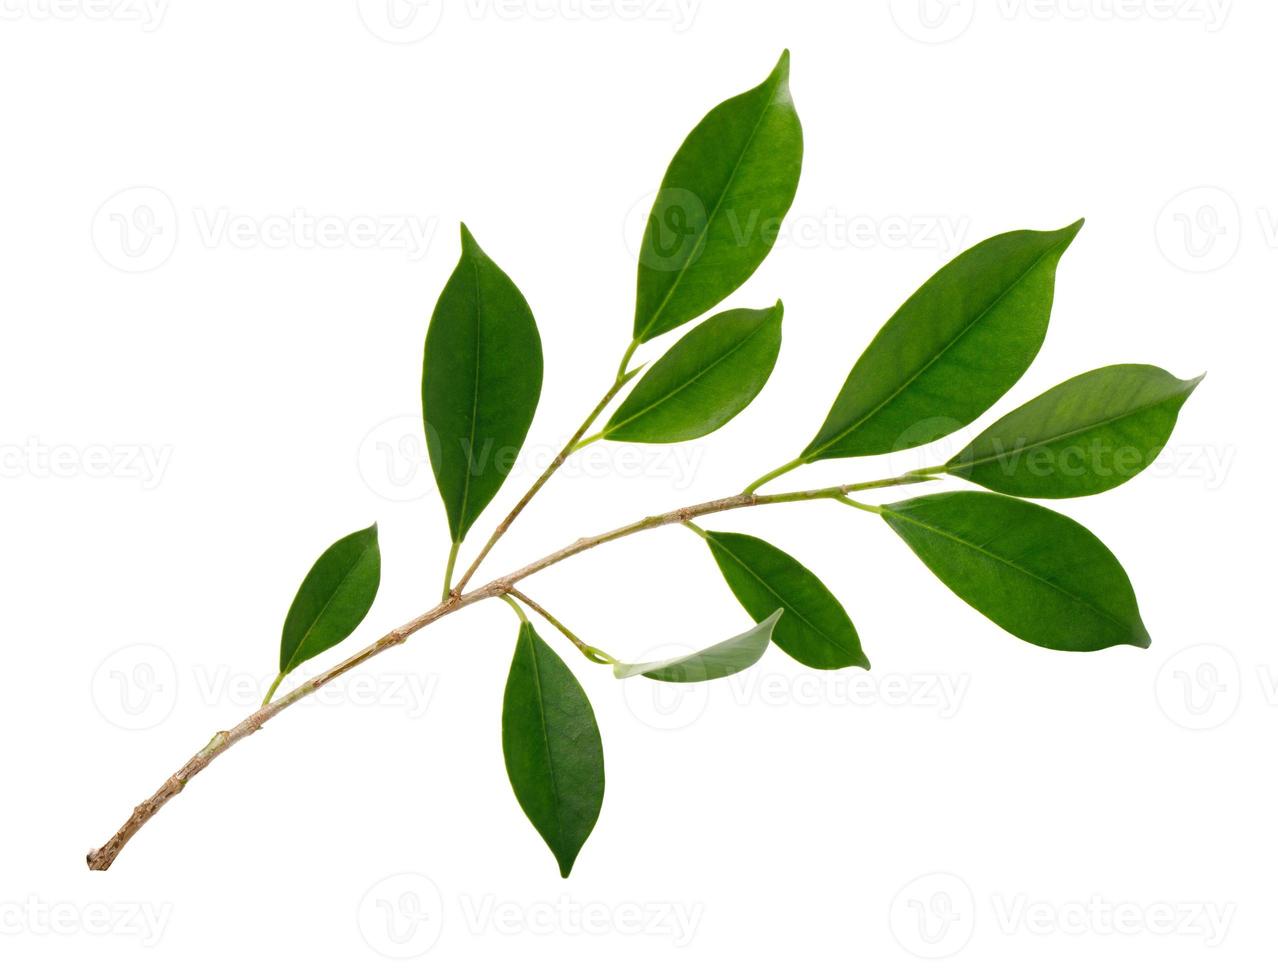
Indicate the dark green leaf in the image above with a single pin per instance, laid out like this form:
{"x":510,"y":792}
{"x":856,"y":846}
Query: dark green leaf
{"x":481,"y":379}
{"x":554,"y":756}
{"x":815,"y":630}
{"x":333,"y":599}
{"x":728,"y":657}
{"x":1034,"y":572}
{"x":949,"y":353}
{"x":720,"y":205}
{"x":703,"y":381}
{"x":1084,"y":436}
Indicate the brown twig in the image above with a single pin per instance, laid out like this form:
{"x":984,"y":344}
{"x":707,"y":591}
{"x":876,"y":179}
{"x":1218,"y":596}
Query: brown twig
{"x":102,"y":858}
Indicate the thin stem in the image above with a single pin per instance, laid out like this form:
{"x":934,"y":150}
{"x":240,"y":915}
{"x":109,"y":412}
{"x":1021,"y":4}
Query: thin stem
{"x":859,"y":506}
{"x":772,"y":475}
{"x":623,"y":370}
{"x":270,"y":692}
{"x":931,"y":471}
{"x":591,"y":653}
{"x":102,"y":858}
{"x":505,"y":597}
{"x":695,"y":529}
{"x":448,"y":570}
{"x":570,"y":447}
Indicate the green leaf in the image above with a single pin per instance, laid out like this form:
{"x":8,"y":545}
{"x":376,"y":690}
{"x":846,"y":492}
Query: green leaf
{"x":554,"y":755}
{"x":333,"y":599}
{"x":951,"y":351}
{"x":1086,"y":435}
{"x":481,"y":379}
{"x":815,"y":630}
{"x":703,"y":381}
{"x":731,"y":656}
{"x":720,"y":205}
{"x":1034,"y":572}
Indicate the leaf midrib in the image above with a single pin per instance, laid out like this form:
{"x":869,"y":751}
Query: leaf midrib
{"x":714,"y":212}
{"x":935,"y":357}
{"x":688,"y":383}
{"x":789,"y":606}
{"x":1126,"y":627}
{"x":292,"y":662}
{"x":1147,"y":406}
{"x":474,"y":404}
{"x":545,"y":740}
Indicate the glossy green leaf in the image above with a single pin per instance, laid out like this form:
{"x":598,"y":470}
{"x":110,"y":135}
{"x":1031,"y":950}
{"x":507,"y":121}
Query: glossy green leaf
{"x":951,"y":351}
{"x":720,"y":205}
{"x":703,"y":381}
{"x":731,"y":656}
{"x":554,"y":755}
{"x":1034,"y":572}
{"x":815,"y":629}
{"x":333,"y":599}
{"x":1086,"y":435}
{"x":481,"y":379}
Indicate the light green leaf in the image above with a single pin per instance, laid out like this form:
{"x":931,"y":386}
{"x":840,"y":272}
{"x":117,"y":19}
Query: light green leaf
{"x":554,"y":755}
{"x":727,"y":657}
{"x":815,"y":630}
{"x":481,"y":379}
{"x":333,"y":599}
{"x":1034,"y":572}
{"x":703,"y":381}
{"x":720,"y":205}
{"x":1086,"y":435}
{"x":951,"y":351}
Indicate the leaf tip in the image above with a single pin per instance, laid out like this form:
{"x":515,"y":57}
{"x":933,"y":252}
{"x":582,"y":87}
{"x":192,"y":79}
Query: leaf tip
{"x":1071,"y":231}
{"x":781,"y":78}
{"x":468,"y":242}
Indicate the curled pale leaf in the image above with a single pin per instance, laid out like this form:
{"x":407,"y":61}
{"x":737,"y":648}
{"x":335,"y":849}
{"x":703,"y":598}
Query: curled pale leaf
{"x":727,"y":657}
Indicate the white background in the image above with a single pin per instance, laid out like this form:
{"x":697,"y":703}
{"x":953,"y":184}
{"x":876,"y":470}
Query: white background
{"x":189,"y":415}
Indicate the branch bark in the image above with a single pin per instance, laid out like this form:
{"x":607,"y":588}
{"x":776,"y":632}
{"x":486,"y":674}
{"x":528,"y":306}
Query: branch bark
{"x":102,"y":858}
